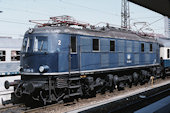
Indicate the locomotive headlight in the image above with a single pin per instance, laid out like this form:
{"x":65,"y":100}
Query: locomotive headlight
{"x":30,"y":30}
{"x":43,"y":68}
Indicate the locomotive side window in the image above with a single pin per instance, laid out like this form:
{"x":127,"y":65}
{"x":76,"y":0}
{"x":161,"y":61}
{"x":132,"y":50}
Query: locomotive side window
{"x":142,"y":47}
{"x":95,"y":44}
{"x":168,"y":53}
{"x":2,"y":55}
{"x":15,"y":55}
{"x":73,"y":44}
{"x":151,"y":48}
{"x":112,"y":45}
{"x":40,"y":44}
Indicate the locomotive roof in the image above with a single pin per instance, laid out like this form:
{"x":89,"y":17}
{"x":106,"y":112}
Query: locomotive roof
{"x":111,"y":33}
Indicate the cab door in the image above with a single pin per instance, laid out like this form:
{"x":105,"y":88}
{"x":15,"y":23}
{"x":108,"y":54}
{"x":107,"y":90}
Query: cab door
{"x":74,"y":53}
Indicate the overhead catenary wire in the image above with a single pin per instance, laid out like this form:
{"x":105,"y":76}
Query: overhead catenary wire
{"x":15,"y":22}
{"x":21,"y":35}
{"x":70,"y":3}
{"x":38,"y":13}
{"x":65,"y":2}
{"x":152,"y":23}
{"x":82,"y":6}
{"x":145,"y":17}
{"x":26,"y":11}
{"x":156,"y":20}
{"x":93,"y":9}
{"x":149,"y":24}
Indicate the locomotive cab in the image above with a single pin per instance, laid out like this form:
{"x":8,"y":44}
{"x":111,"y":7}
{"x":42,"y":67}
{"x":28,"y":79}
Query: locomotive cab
{"x":34,"y":49}
{"x":39,"y":54}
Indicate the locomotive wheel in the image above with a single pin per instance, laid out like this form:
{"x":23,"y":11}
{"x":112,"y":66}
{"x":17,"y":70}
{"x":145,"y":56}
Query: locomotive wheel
{"x":163,"y":75}
{"x":29,"y":101}
{"x":141,"y":82}
{"x":120,"y":86}
{"x":111,"y":88}
{"x":135,"y":78}
{"x":130,"y":84}
{"x":130,"y":81}
{"x":18,"y":90}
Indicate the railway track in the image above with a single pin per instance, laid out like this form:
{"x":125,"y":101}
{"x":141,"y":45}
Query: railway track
{"x":12,"y":108}
{"x":69,"y":106}
{"x":40,"y":109}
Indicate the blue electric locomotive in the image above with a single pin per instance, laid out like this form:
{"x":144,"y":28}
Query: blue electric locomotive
{"x":59,"y":61}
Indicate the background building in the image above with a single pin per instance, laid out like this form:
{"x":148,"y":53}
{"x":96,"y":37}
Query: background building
{"x":167,"y":27}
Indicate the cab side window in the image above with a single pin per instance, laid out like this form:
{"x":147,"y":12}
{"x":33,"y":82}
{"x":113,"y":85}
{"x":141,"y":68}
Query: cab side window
{"x":151,"y":48}
{"x":73,"y":44}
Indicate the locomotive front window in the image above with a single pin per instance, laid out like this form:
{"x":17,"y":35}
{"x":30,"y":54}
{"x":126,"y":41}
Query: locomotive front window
{"x":40,"y":44}
{"x":30,"y":45}
{"x":24,"y":45}
{"x":27,"y":45}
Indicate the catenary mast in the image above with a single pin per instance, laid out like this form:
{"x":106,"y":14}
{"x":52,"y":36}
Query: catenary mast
{"x":125,"y":14}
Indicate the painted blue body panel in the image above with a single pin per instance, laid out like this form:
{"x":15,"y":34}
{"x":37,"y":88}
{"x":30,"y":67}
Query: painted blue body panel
{"x":127,"y":53}
{"x":35,"y":60}
{"x":166,"y":63}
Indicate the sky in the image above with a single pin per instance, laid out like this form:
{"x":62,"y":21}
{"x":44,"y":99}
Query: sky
{"x":14,"y":20}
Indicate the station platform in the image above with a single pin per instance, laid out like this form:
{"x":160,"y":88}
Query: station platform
{"x":161,"y":106}
{"x":104,"y":105}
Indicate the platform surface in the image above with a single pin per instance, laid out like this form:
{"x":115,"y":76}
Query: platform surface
{"x":106,"y":101}
{"x":161,"y":106}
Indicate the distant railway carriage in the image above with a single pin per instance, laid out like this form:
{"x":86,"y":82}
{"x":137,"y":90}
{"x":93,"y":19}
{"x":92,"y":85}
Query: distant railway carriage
{"x":9,"y":56}
{"x":58,"y":61}
{"x":165,"y":52}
